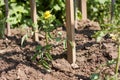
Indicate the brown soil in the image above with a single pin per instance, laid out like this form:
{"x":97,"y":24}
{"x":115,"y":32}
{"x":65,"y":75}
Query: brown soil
{"x":16,"y":63}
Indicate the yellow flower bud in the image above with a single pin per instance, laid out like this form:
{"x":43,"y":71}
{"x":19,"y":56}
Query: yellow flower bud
{"x":47,"y":14}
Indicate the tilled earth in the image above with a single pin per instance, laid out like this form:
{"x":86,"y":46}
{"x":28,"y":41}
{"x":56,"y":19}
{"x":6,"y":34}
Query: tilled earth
{"x":92,"y":56}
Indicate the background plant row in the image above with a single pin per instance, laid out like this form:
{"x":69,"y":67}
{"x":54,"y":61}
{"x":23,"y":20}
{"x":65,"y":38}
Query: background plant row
{"x":98,"y":10}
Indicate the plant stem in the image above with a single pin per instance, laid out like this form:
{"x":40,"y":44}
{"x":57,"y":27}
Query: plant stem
{"x":118,"y":60}
{"x":46,"y":37}
{"x":47,"y":41}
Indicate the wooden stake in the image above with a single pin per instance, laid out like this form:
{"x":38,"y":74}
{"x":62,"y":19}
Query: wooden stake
{"x":83,"y":6}
{"x":71,"y":51}
{"x":112,"y":9}
{"x":7,"y":16}
{"x":34,"y":18}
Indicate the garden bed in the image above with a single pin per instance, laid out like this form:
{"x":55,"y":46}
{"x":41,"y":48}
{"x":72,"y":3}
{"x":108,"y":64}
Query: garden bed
{"x":16,"y":63}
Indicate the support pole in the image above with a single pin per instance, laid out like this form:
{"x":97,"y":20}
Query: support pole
{"x":7,"y":16}
{"x":34,"y":18}
{"x":70,"y":26}
{"x":83,"y":7}
{"x":112,"y":9}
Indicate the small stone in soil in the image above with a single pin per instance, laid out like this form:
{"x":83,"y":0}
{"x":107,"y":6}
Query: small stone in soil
{"x":74,"y":66}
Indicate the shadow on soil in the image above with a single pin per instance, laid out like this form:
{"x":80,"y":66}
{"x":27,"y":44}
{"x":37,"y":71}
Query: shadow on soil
{"x":16,"y":62}
{"x":27,"y":54}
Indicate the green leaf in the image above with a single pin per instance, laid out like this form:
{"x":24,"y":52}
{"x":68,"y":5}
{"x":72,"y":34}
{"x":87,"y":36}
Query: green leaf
{"x":49,"y":57}
{"x":94,"y":76}
{"x":13,"y":0}
{"x":24,"y":38}
{"x":79,"y":15}
{"x":38,"y":48}
{"x":50,"y":36}
{"x":61,"y":3}
{"x":48,"y":47}
{"x":102,"y":1}
{"x":95,"y":9}
{"x":64,"y":44}
{"x":34,"y":56}
{"x":45,"y":64}
{"x":1,"y":14}
{"x":60,"y":33}
{"x":110,"y":62}
{"x":51,"y":25}
{"x":1,"y":3}
{"x":100,"y":34}
{"x":57,"y":7}
{"x":58,"y":39}
{"x":71,"y":43}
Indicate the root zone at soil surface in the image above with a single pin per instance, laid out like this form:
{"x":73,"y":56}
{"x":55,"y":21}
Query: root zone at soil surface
{"x":16,"y":64}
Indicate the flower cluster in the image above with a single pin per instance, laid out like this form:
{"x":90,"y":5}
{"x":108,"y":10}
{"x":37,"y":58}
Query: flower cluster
{"x":47,"y":14}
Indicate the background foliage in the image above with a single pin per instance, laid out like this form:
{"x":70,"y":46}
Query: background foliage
{"x":98,"y":10}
